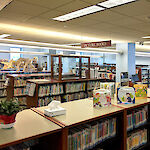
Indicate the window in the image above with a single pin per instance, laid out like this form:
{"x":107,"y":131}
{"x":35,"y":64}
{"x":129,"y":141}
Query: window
{"x":15,"y":56}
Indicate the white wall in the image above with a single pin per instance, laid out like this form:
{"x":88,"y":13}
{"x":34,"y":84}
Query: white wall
{"x":142,"y":60}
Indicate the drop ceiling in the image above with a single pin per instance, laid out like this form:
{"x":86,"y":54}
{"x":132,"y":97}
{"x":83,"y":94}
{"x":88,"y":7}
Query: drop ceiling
{"x":126,"y":23}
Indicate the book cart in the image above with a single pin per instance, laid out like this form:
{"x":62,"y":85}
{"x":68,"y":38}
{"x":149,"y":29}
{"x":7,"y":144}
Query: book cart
{"x":90,"y":128}
{"x":64,"y":91}
{"x":137,"y":122}
{"x":31,"y":132}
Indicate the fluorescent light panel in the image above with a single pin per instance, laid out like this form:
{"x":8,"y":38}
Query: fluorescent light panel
{"x":4,"y":3}
{"x":4,"y":36}
{"x":79,"y":13}
{"x":146,"y":37}
{"x":113,"y":3}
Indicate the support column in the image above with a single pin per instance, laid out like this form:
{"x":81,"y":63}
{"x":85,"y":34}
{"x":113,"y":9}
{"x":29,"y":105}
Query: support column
{"x":125,"y":62}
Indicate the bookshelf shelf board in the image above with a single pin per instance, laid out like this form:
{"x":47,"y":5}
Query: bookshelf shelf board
{"x":22,"y":86}
{"x":50,"y":95}
{"x":73,"y":92}
{"x":2,"y":80}
{"x":28,"y":125}
{"x":82,"y":111}
{"x":2,"y":88}
{"x":3,"y":96}
{"x":138,"y":103}
{"x":20,"y":95}
{"x":142,"y":126}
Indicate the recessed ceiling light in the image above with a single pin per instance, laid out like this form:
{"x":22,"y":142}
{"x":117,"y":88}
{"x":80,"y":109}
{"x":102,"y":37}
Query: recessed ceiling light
{"x":4,"y":36}
{"x":4,"y":3}
{"x":113,"y":3}
{"x":146,"y":37}
{"x":79,"y":13}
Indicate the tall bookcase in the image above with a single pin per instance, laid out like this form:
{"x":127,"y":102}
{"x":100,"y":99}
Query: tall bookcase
{"x":64,"y":91}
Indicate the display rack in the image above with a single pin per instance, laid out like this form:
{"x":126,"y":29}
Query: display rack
{"x":60,"y":64}
{"x":64,"y":91}
{"x":32,"y":131}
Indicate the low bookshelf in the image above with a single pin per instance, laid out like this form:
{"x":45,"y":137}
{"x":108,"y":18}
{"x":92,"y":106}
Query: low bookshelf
{"x":137,"y":122}
{"x":64,"y":91}
{"x":102,"y":128}
{"x":31,"y":132}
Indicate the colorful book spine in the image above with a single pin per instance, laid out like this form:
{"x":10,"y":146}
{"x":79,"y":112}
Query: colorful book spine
{"x":53,"y":89}
{"x":137,"y":139}
{"x":75,"y":87}
{"x":91,"y":85}
{"x":137,"y":118}
{"x":88,"y":136}
{"x":75,"y":96}
{"x":46,"y":100}
{"x":19,"y":91}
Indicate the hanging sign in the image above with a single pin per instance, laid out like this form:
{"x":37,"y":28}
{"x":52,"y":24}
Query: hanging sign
{"x":96,"y":44}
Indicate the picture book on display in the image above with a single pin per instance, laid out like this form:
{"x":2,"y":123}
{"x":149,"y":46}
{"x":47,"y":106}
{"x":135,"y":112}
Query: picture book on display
{"x":126,"y":95}
{"x":140,"y":90}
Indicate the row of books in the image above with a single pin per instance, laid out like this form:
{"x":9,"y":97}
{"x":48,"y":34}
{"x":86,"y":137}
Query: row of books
{"x":91,"y":85}
{"x":109,"y":76}
{"x":2,"y":84}
{"x":19,"y":82}
{"x":137,"y":118}
{"x":19,"y":91}
{"x":46,"y":100}
{"x":89,"y":135}
{"x":50,"y":89}
{"x":3,"y":92}
{"x":90,"y":93}
{"x":75,"y":96}
{"x":137,"y":139}
{"x":75,"y":87}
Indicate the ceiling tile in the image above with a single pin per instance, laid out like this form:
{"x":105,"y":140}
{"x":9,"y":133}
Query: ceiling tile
{"x":24,"y":8}
{"x":73,"y":6}
{"x":51,"y":4}
{"x":139,"y":7}
{"x":106,"y":15}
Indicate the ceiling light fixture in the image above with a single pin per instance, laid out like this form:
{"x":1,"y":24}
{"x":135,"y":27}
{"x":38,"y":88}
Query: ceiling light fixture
{"x":79,"y":13}
{"x":4,"y":3}
{"x":146,"y":37}
{"x":114,"y":3}
{"x":4,"y":36}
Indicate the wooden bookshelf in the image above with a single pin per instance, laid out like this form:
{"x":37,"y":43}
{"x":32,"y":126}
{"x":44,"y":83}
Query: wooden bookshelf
{"x":130,"y":108}
{"x":17,"y":84}
{"x":78,"y":93}
{"x":82,"y":112}
{"x":31,"y":126}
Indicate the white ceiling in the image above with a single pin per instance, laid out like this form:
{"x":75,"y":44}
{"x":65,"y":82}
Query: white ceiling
{"x":124,"y":23}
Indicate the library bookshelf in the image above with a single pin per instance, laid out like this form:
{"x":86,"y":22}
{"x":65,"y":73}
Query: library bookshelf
{"x":137,"y":124}
{"x":81,"y":119}
{"x":64,"y":91}
{"x":17,"y":84}
{"x":31,"y":131}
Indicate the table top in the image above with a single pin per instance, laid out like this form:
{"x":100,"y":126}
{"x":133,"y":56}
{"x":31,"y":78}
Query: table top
{"x":28,"y":125}
{"x":80,"y":111}
{"x":138,"y":103}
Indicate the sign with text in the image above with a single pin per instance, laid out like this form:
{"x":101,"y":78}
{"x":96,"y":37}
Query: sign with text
{"x":96,"y":44}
